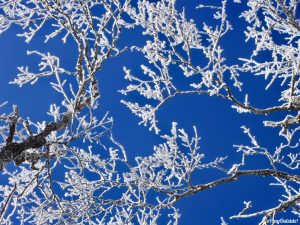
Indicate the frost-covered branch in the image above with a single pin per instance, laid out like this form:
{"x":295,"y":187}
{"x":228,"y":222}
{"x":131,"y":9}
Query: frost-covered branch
{"x":100,"y":183}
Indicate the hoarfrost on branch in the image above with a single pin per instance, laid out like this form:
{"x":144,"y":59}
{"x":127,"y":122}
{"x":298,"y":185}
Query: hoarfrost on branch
{"x":100,"y":184}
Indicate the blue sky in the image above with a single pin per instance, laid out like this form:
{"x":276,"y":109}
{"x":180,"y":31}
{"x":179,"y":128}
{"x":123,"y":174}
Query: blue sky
{"x":218,"y":124}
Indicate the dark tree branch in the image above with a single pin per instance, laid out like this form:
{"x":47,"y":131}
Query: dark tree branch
{"x":13,"y":150}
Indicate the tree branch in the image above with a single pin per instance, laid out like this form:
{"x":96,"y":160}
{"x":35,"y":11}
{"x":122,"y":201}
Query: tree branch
{"x":13,"y":150}
{"x":236,"y":176}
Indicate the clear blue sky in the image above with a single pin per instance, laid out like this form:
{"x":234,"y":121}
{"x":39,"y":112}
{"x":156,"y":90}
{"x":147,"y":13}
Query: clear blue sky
{"x":218,"y":124}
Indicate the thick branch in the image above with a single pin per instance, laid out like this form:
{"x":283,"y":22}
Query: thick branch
{"x":13,"y":150}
